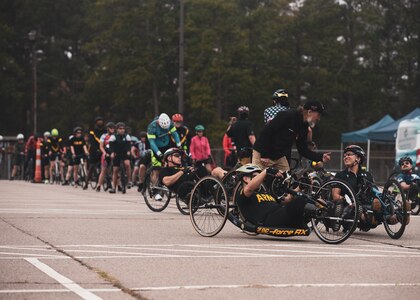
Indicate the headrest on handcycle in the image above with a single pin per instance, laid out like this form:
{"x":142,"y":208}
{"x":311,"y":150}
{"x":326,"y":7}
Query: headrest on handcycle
{"x":249,"y":169}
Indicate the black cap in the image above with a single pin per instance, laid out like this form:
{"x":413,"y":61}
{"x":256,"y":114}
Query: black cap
{"x":314,"y":106}
{"x":99,"y":118}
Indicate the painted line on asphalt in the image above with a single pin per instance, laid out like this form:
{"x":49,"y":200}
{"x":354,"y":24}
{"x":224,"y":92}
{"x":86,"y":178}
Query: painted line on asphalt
{"x":66,"y":282}
{"x":226,"y":286}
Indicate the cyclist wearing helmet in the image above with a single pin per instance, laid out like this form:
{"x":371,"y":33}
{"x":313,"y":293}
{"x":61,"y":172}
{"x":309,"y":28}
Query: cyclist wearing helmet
{"x":45,"y":159}
{"x":278,"y":136}
{"x":158,"y":133}
{"x":406,"y":177}
{"x":242,"y":134}
{"x":183,"y":132}
{"x":200,"y":149}
{"x":30,"y":151}
{"x":106,"y":153}
{"x":78,"y":149}
{"x":18,"y":155}
{"x":139,"y":151}
{"x":120,"y":145}
{"x":280,"y":103}
{"x":55,"y":151}
{"x":262,"y":208}
{"x":1,"y":149}
{"x":94,"y":142}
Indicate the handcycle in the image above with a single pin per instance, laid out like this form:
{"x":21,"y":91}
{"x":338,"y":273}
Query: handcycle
{"x":393,"y":211}
{"x":157,"y":196}
{"x":211,"y":206}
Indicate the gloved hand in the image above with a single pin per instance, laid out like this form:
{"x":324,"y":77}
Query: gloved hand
{"x":272,"y":171}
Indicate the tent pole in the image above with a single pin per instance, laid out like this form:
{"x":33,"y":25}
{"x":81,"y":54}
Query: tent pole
{"x":368,"y":155}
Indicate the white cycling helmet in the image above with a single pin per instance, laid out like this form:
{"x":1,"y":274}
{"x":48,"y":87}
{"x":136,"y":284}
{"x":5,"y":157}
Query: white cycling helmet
{"x":164,"y":121}
{"x":20,"y":136}
{"x":47,"y":134}
{"x":1,"y":138}
{"x":249,"y":169}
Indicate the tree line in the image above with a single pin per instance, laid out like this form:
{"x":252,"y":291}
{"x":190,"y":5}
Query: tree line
{"x":120,"y":59}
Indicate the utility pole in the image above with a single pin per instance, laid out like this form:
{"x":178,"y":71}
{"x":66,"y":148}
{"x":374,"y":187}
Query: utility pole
{"x":32,"y":37}
{"x":181,"y":59}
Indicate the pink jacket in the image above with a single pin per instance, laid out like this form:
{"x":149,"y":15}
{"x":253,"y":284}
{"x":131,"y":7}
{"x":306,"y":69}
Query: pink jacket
{"x":200,"y":148}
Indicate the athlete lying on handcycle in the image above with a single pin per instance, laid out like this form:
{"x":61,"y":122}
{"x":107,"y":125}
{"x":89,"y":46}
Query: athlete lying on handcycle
{"x":262,"y":208}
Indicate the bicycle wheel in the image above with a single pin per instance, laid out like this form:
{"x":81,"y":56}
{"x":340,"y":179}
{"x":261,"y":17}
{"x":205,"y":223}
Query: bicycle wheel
{"x":394,"y":213}
{"x":156,"y":196}
{"x":209,"y":206}
{"x":414,"y":197}
{"x":82,"y":175}
{"x":229,"y":182}
{"x":333,"y":229}
{"x":94,"y":176}
{"x":183,"y":197}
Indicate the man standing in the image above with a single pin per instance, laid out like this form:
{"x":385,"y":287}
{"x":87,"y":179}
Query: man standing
{"x":280,"y":103}
{"x":94,"y":142}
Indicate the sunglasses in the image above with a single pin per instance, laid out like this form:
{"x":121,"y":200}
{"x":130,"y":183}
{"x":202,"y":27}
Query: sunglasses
{"x":348,"y":154}
{"x":405,"y":163}
{"x":176,"y":155}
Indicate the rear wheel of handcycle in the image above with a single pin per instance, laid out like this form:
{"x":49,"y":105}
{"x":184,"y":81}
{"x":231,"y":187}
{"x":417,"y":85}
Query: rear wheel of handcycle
{"x":156,"y":197}
{"x":183,"y":197}
{"x":209,"y":206}
{"x":414,"y":197}
{"x":395,"y":212}
{"x":329,"y":227}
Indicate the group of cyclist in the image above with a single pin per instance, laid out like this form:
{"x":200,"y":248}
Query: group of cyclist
{"x":167,"y":141}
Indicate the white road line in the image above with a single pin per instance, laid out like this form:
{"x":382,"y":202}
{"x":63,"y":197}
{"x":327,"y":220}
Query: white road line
{"x":226,"y":286}
{"x":66,"y":282}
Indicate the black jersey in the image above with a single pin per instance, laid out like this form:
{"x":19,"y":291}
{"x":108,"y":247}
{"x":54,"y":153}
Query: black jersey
{"x":240,"y":132}
{"x":55,"y":145}
{"x":78,"y":143}
{"x":120,"y":144}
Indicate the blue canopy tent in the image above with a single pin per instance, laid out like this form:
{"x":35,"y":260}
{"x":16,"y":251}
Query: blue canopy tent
{"x":362,"y":135}
{"x":388,"y":132}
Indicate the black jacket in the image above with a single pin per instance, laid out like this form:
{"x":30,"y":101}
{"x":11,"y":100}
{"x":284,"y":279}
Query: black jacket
{"x":277,"y":137}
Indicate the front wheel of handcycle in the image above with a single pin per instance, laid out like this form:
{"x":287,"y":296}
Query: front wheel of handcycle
{"x":209,"y":206}
{"x":395,"y":213}
{"x":332,"y":227}
{"x":155,"y":196}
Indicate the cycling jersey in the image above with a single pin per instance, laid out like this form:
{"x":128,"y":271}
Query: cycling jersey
{"x":408,"y":178}
{"x":184,"y":136}
{"x":78,"y":143}
{"x":240,"y":132}
{"x":55,"y":145}
{"x":94,"y":138}
{"x":159,"y":137}
{"x":354,"y":180}
{"x":120,"y":144}
{"x":105,"y":141}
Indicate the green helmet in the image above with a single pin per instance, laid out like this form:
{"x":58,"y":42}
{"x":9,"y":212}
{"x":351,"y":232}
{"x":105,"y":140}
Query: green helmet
{"x":199,"y":128}
{"x":54,"y":132}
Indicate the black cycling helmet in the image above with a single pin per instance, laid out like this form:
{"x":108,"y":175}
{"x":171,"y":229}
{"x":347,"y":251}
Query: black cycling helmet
{"x":280,"y":94}
{"x":76,"y":129}
{"x":98,"y":118}
{"x":169,"y":152}
{"x":110,"y":125}
{"x":120,"y":124}
{"x":405,"y":158}
{"x":143,"y":134}
{"x":358,"y":151}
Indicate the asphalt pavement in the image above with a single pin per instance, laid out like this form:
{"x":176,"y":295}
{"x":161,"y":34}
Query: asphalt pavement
{"x":61,"y":242}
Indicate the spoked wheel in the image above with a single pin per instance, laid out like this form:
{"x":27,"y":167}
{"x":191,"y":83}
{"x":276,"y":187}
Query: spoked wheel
{"x":414,"y":197}
{"x":156,"y":196}
{"x":183,"y":197}
{"x":209,"y":206}
{"x":395,"y":213}
{"x":332,"y":227}
{"x":229,"y":182}
{"x":94,"y":178}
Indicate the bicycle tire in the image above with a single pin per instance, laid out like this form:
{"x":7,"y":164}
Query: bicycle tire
{"x":414,"y":197}
{"x":208,"y":199}
{"x":393,"y":198}
{"x":182,"y":202}
{"x":149,"y":194}
{"x":348,"y":220}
